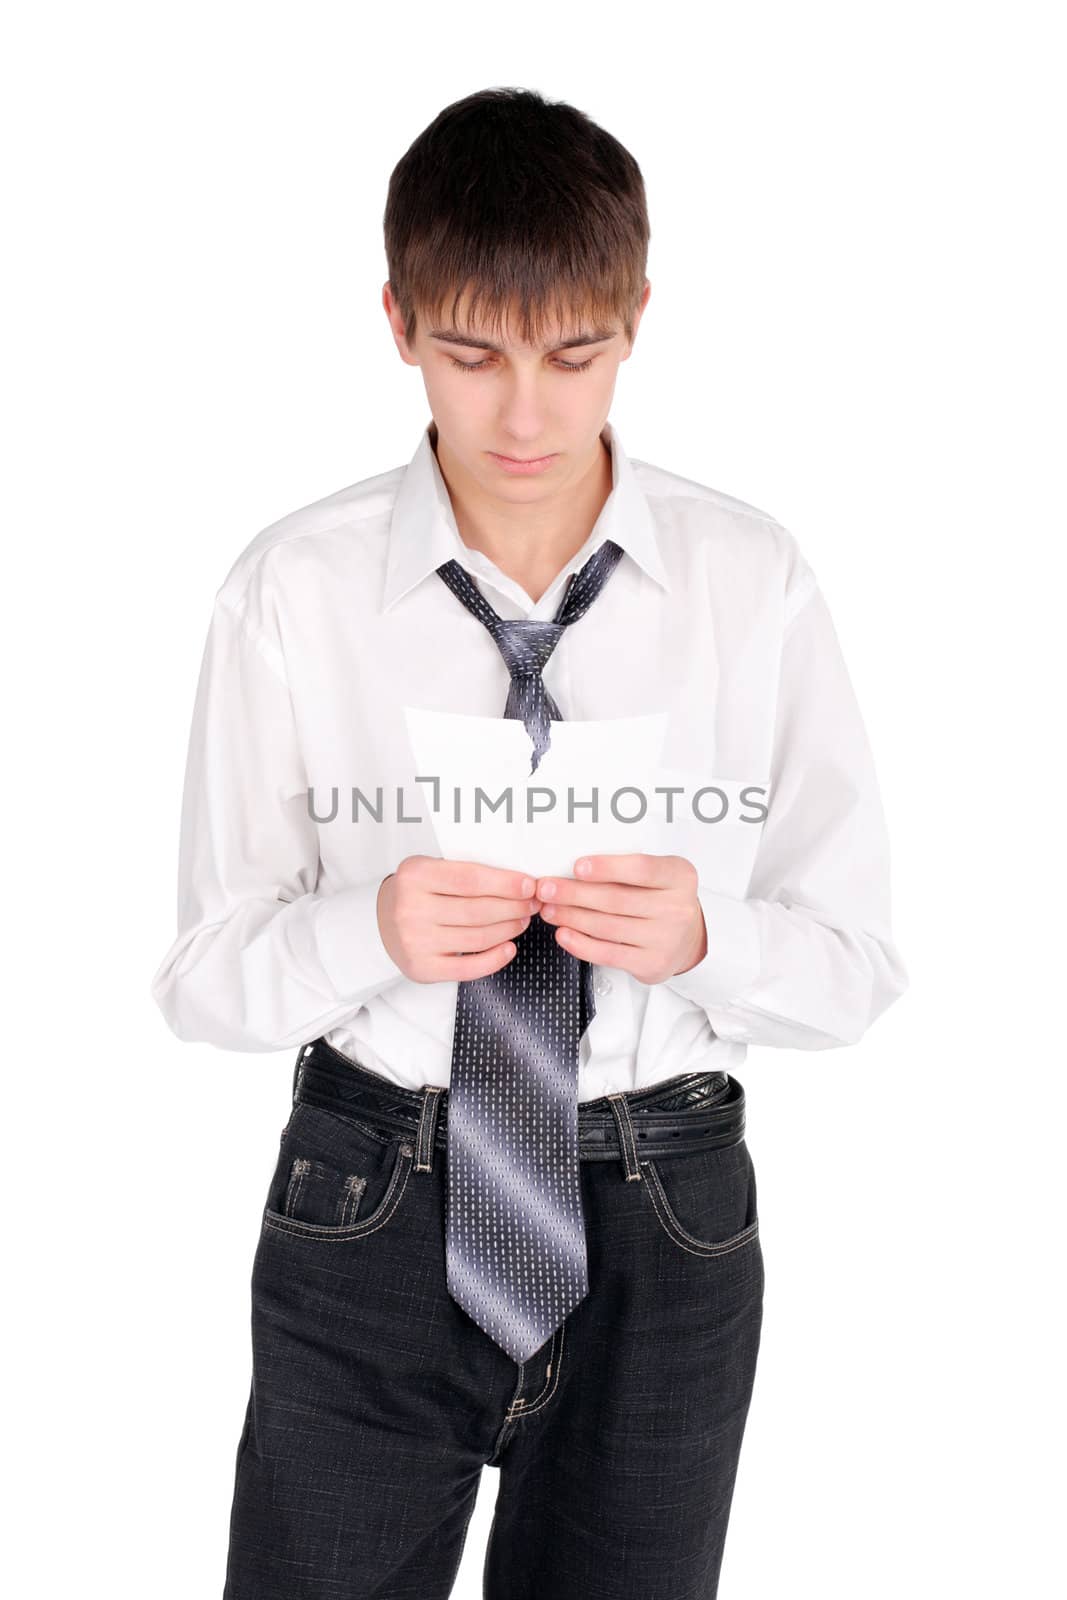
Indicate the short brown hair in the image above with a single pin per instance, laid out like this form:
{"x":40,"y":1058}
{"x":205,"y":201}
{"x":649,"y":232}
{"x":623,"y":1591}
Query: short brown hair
{"x":525,"y":201}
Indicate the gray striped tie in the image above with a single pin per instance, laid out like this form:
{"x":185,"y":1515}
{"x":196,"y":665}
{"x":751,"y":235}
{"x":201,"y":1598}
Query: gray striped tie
{"x":515,"y":1232}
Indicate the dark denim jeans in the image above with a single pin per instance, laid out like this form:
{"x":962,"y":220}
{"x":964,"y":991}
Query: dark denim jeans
{"x":376,"y":1400}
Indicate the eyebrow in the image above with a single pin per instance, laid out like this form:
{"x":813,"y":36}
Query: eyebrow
{"x":594,"y":336}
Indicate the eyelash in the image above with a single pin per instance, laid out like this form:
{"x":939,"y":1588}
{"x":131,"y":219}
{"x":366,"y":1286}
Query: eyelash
{"x":564,"y":366}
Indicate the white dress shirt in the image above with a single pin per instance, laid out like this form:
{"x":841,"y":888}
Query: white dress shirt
{"x":333,"y":620}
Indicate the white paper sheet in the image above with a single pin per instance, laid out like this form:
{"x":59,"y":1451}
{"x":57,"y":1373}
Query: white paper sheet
{"x":465,"y":753}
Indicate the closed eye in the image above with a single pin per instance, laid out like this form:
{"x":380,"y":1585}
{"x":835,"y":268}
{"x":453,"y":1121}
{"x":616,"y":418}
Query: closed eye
{"x":564,"y":366}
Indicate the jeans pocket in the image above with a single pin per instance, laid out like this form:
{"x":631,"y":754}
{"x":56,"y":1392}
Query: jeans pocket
{"x":322,"y":1194}
{"x":336,"y":1178}
{"x":705,"y":1202}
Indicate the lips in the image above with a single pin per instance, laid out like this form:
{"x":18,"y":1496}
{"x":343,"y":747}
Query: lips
{"x":527,"y":467}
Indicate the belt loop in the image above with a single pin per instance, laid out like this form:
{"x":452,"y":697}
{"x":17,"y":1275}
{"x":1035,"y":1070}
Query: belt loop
{"x":621,"y":1112}
{"x":298,"y":1070}
{"x":424,"y":1139}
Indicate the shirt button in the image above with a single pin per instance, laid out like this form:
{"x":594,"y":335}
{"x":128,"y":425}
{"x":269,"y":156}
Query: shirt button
{"x":601,"y":985}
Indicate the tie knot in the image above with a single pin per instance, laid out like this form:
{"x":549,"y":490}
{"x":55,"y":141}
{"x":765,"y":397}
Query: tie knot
{"x":526,"y":645}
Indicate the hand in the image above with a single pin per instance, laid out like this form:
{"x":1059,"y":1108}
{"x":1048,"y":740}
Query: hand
{"x":430,"y":911}
{"x":639,"y":912}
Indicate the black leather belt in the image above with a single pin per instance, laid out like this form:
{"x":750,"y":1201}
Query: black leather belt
{"x":693,"y":1111}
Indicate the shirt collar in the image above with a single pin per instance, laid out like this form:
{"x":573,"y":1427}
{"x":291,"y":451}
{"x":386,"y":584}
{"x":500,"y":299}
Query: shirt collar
{"x":423,"y":532}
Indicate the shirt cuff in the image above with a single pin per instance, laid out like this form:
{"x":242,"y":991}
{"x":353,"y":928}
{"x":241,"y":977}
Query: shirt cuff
{"x":732,"y":963}
{"x":350,"y":944}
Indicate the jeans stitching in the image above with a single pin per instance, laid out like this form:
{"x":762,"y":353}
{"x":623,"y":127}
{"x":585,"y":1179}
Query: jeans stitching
{"x":551,"y":1384}
{"x":679,"y":1236}
{"x":356,"y":1230}
{"x":297,"y":1174}
{"x":354,"y":1187}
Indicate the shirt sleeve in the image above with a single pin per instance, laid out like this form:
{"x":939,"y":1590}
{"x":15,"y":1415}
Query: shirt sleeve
{"x":807,"y":959}
{"x":262,"y":960}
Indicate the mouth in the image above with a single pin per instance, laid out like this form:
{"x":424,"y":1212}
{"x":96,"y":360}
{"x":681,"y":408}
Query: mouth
{"x":522,"y":464}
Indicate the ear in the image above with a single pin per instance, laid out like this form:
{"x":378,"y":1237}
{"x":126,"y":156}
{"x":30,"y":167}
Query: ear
{"x":638,"y":314}
{"x":396,"y":326}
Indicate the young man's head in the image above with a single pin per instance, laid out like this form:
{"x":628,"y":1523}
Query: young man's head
{"x":516,"y":237}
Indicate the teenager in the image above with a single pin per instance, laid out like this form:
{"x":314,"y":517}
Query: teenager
{"x":513,"y":1216}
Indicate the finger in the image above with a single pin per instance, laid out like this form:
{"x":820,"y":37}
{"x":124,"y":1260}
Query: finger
{"x":648,"y":871}
{"x":598,"y":925}
{"x":469,"y":878}
{"x":464,"y":969}
{"x":622,"y":899}
{"x":628,"y":958}
{"x":476,"y":940}
{"x":451,"y":911}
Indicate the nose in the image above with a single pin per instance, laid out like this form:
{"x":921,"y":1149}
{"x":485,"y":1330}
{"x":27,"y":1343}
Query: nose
{"x":523,"y":414}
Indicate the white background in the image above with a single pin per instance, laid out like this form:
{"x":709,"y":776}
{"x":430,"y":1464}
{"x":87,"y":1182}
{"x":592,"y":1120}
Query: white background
{"x":856,"y":324}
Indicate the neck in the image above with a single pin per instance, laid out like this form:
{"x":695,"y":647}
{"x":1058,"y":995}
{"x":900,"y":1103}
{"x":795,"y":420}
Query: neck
{"x":531,"y":543}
